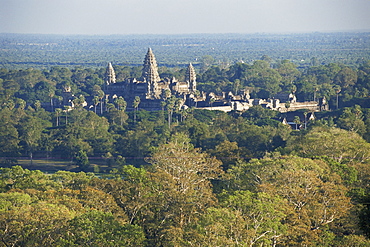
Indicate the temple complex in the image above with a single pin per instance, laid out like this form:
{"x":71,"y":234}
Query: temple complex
{"x":153,"y":90}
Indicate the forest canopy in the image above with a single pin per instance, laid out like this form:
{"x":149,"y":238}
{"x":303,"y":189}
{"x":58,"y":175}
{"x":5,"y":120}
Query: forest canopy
{"x":186,"y":177}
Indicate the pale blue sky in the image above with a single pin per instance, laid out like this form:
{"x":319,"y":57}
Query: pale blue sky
{"x":182,"y":16}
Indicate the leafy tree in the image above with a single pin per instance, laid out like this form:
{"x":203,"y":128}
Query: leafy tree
{"x":72,"y":180}
{"x":315,"y":194}
{"x":30,"y":129}
{"x":352,"y":119}
{"x":228,"y":152}
{"x":257,"y":113}
{"x":338,"y":144}
{"x":244,"y":218}
{"x":346,"y":77}
{"x":121,"y":103}
{"x":267,"y":80}
{"x":206,"y":62}
{"x":82,"y":161}
{"x":184,"y":175}
{"x":86,"y":131}
{"x":96,"y":228}
{"x":9,"y":137}
{"x":288,"y":71}
{"x":18,"y":178}
{"x":44,"y":91}
{"x":38,"y":224}
{"x":354,"y":240}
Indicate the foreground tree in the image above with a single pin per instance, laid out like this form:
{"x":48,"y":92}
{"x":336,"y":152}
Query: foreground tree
{"x":183,"y":175}
{"x":315,"y":195}
{"x":244,"y":219}
{"x":338,"y":144}
{"x":9,"y":138}
{"x":27,"y":223}
{"x":96,"y":228}
{"x":352,"y":119}
{"x":30,"y":133}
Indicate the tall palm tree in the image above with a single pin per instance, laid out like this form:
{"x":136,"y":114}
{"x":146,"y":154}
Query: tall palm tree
{"x":170,"y":105}
{"x":135,"y":104}
{"x":58,"y":111}
{"x":337,"y":89}
{"x":51,"y":94}
{"x":297,"y":121}
{"x":95,"y":102}
{"x":101,"y":96}
{"x":66,"y":109}
{"x":305,"y":119}
{"x":121,"y":103}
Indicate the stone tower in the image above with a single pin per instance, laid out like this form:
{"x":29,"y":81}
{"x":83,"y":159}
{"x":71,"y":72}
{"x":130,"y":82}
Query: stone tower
{"x":191,"y":78}
{"x":110,"y":75}
{"x":150,"y":69}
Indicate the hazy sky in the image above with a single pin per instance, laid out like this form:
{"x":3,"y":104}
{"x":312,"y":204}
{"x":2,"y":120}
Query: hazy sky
{"x":182,"y":16}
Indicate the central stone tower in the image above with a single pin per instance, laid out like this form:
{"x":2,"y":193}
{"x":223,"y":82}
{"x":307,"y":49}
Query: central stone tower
{"x":150,"y":69}
{"x":151,"y":75}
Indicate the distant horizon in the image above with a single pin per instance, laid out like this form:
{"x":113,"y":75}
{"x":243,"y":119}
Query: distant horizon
{"x":184,"y":34}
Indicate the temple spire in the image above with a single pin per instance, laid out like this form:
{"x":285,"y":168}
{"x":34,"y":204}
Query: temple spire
{"x":191,"y":77}
{"x":110,"y":75}
{"x":150,"y":68}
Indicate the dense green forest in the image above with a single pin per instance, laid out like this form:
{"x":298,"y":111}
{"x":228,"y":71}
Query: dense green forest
{"x":186,"y":177}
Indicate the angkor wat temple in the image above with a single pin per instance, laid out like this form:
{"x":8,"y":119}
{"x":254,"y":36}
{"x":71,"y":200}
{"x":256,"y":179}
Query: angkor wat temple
{"x":152,"y":90}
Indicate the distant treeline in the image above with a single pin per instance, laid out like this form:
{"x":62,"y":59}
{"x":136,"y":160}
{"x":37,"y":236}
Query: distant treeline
{"x":45,"y":51}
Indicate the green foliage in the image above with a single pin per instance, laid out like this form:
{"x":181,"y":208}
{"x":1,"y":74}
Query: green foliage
{"x":352,"y":120}
{"x":18,"y":178}
{"x":314,"y":194}
{"x":95,"y":228}
{"x":205,"y":177}
{"x":72,"y":180}
{"x":257,"y":112}
{"x":9,"y":135}
{"x":338,"y":144}
{"x":82,"y":161}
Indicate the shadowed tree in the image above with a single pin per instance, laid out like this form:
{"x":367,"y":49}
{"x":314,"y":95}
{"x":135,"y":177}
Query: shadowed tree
{"x":337,"y":90}
{"x":30,"y":133}
{"x":135,"y":105}
{"x":95,"y":102}
{"x":58,"y":111}
{"x":297,"y":122}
